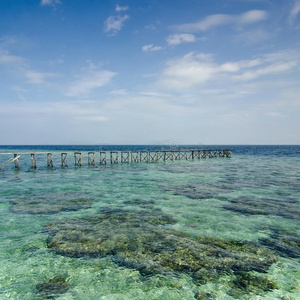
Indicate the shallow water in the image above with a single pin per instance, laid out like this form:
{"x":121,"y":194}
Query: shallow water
{"x":252,"y":196}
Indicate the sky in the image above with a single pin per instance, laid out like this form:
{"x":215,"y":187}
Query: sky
{"x":177,"y":72}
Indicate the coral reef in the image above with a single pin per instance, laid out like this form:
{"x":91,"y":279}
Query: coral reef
{"x":247,"y":283}
{"x":287,"y":208}
{"x":50,"y":203}
{"x":139,"y":240}
{"x":287,"y":244}
{"x":53,"y":287}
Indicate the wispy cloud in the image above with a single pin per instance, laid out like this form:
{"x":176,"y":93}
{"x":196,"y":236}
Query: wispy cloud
{"x":252,"y":37}
{"x":114,"y":24}
{"x":7,"y":58}
{"x":211,"y":21}
{"x":49,"y":2}
{"x":175,"y":39}
{"x":151,"y":47}
{"x":121,"y":8}
{"x":38,"y":77}
{"x":88,"y":82}
{"x":196,"y":70}
{"x":294,"y":12}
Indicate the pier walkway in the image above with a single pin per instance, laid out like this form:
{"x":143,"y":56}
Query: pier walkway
{"x":115,"y":157}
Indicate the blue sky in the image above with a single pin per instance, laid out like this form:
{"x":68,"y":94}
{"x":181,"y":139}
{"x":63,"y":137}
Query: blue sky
{"x":150,"y":72}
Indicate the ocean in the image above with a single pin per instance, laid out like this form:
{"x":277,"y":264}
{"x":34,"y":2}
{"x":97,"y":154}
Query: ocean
{"x":214,"y":228}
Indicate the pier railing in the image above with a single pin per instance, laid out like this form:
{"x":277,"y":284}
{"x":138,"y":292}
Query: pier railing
{"x":115,"y":157}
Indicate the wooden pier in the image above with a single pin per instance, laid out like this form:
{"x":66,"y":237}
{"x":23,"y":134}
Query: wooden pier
{"x":116,"y":157}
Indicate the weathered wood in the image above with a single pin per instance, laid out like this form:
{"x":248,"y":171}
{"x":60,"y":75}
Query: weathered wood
{"x":77,"y":159}
{"x":134,"y":156}
{"x":125,"y":157}
{"x":144,"y":156}
{"x":102,"y":158}
{"x":33,"y":160}
{"x":204,"y":154}
{"x":49,"y":160}
{"x":16,"y":159}
{"x":64,"y":159}
{"x":114,"y":157}
{"x":91,"y":158}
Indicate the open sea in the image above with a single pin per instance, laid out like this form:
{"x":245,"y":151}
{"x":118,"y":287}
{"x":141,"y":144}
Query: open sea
{"x":214,"y":228}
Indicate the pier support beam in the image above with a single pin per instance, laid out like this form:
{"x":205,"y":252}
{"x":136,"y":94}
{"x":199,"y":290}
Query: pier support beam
{"x":102,"y":158}
{"x":64,"y":159}
{"x":144,"y":156}
{"x":49,"y":160}
{"x":134,"y":156}
{"x":33,"y":160}
{"x":77,"y":159}
{"x":91,"y":158}
{"x":114,"y":157}
{"x":16,"y":159}
{"x":125,"y":157}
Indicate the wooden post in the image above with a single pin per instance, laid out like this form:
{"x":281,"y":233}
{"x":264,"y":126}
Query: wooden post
{"x":114,"y":157}
{"x":125,"y":157}
{"x":49,"y":160}
{"x":91,"y":158}
{"x":210,"y":154}
{"x":33,"y":160}
{"x":134,"y":156}
{"x":17,"y":166}
{"x":77,"y":159}
{"x":64,"y":159}
{"x":102,"y":158}
{"x":144,"y":156}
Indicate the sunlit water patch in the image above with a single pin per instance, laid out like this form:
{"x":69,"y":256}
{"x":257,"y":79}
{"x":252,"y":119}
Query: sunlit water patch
{"x":209,"y":229}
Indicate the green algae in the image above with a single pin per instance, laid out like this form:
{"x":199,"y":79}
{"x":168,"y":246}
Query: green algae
{"x":142,"y":241}
{"x":53,"y":287}
{"x":287,"y":208}
{"x":50,"y":203}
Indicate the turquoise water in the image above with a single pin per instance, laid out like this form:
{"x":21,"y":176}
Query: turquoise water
{"x":252,"y":196}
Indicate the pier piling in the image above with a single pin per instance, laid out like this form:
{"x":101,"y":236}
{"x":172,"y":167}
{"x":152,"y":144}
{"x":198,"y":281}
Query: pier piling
{"x":116,"y":157}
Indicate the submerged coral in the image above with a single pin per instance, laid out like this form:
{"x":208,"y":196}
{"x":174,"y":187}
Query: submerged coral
{"x":247,"y":283}
{"x":287,"y":208}
{"x":50,"y":203}
{"x":287,"y":244}
{"x":191,"y":191}
{"x":141,"y":203}
{"x":53,"y":287}
{"x":137,"y":239}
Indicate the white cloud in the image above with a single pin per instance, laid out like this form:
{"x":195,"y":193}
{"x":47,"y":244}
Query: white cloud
{"x":115,"y":23}
{"x":6,"y":58}
{"x":88,"y":82}
{"x":37,"y":77}
{"x":196,"y":70}
{"x":175,"y":39}
{"x":119,"y":92}
{"x":121,"y":8}
{"x":151,"y":47}
{"x":49,"y":2}
{"x":223,"y":19}
{"x":294,"y":12}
